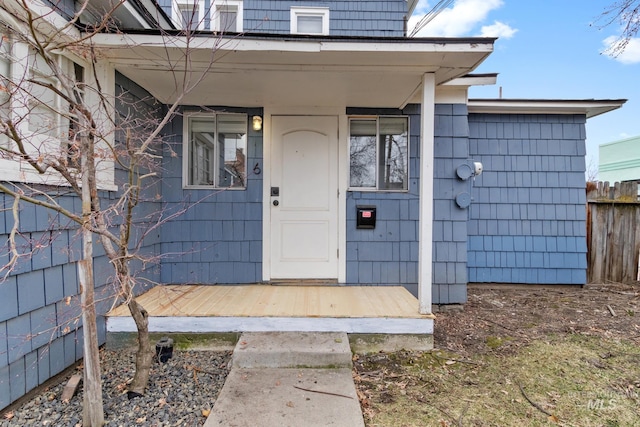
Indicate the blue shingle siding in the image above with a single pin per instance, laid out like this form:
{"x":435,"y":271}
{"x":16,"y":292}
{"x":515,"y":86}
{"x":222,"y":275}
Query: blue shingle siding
{"x":388,"y":254}
{"x":346,"y":18}
{"x":219,"y":239}
{"x":527,"y":223}
{"x":376,"y":18}
{"x":451,"y":148}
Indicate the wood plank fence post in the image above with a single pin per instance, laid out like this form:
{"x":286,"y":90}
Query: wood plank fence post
{"x":613,"y":232}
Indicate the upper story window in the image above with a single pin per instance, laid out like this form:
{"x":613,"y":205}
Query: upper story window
{"x":5,"y":68}
{"x":310,"y":20}
{"x":215,"y":150}
{"x":226,"y":16}
{"x":379,"y":153}
{"x":223,"y":15}
{"x":189,"y":14}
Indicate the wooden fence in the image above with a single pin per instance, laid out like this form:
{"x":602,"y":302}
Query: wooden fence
{"x":613,"y":232}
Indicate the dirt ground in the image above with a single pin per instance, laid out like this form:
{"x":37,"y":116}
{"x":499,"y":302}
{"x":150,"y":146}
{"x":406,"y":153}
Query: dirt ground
{"x":516,"y":356}
{"x":525,"y":314}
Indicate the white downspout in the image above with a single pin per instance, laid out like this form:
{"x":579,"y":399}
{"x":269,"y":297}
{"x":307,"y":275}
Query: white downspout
{"x":425,"y":237}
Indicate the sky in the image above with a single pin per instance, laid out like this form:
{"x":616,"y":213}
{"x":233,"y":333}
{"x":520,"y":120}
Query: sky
{"x":550,"y":49}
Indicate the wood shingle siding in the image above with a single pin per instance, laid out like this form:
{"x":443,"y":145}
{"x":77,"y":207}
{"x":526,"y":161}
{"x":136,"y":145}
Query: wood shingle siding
{"x":527,"y":222}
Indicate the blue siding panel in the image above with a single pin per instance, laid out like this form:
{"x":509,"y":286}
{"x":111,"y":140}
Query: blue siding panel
{"x":398,"y":215}
{"x":43,"y":327}
{"x":31,"y":368}
{"x":9,"y":298}
{"x":56,"y":356}
{"x":532,"y":195}
{"x":5,"y":389}
{"x":18,"y":341}
{"x":43,"y":365}
{"x":4,"y":357}
{"x":17,"y":382}
{"x":222,"y":236}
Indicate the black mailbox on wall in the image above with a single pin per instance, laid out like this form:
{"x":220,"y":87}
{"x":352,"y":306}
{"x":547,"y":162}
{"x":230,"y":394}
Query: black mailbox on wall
{"x":365,"y":217}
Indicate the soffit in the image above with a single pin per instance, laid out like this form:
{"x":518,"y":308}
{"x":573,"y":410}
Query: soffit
{"x":257,"y":72}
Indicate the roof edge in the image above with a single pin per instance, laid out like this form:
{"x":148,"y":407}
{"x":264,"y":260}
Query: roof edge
{"x":589,"y":107}
{"x":411,"y":7}
{"x":308,"y":37}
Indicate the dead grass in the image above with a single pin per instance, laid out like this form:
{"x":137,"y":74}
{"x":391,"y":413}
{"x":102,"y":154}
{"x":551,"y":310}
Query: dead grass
{"x":515,"y":373}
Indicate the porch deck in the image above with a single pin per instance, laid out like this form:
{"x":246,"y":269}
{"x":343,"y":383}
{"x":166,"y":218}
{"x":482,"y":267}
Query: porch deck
{"x":254,"y":308}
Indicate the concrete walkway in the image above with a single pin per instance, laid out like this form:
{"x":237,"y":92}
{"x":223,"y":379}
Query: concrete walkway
{"x":289,"y":379}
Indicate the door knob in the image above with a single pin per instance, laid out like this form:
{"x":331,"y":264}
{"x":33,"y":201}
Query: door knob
{"x":276,"y":203}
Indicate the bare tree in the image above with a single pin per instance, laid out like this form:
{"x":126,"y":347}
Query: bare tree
{"x":626,"y":14}
{"x":62,"y":129}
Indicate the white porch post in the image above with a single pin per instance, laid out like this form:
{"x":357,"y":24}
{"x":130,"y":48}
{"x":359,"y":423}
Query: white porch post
{"x":425,"y":237}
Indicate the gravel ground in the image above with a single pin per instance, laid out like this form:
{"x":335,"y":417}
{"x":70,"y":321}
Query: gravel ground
{"x":178,"y":393}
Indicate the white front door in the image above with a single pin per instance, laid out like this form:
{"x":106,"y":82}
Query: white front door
{"x":304,"y":197}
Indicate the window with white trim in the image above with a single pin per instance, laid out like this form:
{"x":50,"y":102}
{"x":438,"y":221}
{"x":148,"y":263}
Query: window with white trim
{"x":5,"y":69}
{"x":379,"y":153}
{"x":189,"y":14}
{"x":310,"y":20}
{"x":42,"y":118}
{"x":48,"y":118}
{"x":227,"y":16}
{"x":215,"y":150}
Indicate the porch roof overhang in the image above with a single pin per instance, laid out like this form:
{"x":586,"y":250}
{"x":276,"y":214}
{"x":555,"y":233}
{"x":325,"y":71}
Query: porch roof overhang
{"x":588,"y":107}
{"x":270,"y":70}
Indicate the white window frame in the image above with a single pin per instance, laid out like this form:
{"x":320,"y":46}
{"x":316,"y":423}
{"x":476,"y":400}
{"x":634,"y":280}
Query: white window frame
{"x":186,"y":152}
{"x":226,"y":5}
{"x":5,"y":58}
{"x":298,"y":11}
{"x":377,"y":188}
{"x":177,"y":6}
{"x":22,"y":64}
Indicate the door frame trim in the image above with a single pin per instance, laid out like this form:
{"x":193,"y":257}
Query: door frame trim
{"x":343,"y":150}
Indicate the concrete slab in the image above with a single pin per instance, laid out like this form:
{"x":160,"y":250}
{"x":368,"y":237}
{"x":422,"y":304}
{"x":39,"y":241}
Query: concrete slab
{"x":292,"y":350}
{"x":287,"y":397}
{"x":374,"y":343}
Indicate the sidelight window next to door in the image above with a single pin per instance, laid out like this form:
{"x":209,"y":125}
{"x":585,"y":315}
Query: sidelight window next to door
{"x":215,"y":150}
{"x":379,"y":153}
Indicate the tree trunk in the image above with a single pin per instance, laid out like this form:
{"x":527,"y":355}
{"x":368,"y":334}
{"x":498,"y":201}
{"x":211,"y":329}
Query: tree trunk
{"x":92,"y":407}
{"x":92,"y":410}
{"x":144,"y":356}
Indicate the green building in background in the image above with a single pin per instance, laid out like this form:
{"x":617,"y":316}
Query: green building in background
{"x":620,"y":160}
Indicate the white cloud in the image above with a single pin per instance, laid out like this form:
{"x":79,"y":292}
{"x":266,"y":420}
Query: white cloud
{"x":497,"y":29}
{"x":630,"y":54}
{"x":460,"y":20}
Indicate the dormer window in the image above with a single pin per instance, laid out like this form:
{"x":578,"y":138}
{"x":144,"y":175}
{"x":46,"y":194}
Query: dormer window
{"x":310,"y":20}
{"x":226,"y":16}
{"x":188,"y":14}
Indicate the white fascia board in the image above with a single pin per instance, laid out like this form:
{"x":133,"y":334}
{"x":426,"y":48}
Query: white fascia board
{"x":411,"y":7}
{"x":245,"y":44}
{"x":154,"y":10}
{"x":451,"y":94}
{"x":134,"y":13}
{"x":473,"y":81}
{"x":407,"y":46}
{"x":589,"y":107}
{"x":207,"y":43}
